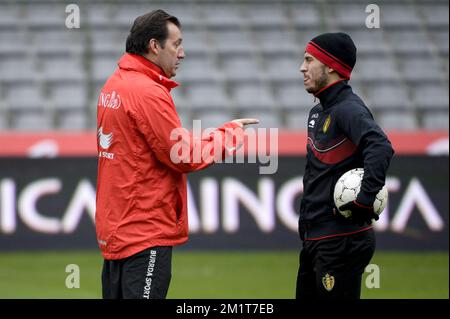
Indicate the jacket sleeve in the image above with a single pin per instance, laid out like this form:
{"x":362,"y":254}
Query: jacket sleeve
{"x":357,"y":123}
{"x":176,"y":147}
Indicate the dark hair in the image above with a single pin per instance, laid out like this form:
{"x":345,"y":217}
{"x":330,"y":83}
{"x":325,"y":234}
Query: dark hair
{"x":152,"y":25}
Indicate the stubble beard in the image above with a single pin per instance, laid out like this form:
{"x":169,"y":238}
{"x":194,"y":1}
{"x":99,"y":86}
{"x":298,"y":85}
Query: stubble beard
{"x":320,"y":83}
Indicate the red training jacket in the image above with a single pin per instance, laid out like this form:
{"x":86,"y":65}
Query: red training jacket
{"x":141,"y":185}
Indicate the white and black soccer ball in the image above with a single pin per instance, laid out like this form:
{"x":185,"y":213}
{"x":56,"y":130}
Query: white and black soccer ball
{"x":348,"y":187}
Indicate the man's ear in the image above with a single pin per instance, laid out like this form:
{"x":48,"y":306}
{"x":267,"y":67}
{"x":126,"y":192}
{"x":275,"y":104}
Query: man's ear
{"x":330,"y":70}
{"x":153,"y":46}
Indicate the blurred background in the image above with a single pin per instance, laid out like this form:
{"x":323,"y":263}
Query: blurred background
{"x":242,"y":60}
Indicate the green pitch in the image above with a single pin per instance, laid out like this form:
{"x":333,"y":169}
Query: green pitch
{"x":219,"y":275}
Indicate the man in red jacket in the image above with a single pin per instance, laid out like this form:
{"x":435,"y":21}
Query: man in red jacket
{"x":141,"y":188}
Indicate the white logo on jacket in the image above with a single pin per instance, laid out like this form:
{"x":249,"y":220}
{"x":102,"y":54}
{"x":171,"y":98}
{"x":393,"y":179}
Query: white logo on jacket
{"x":104,"y":140}
{"x":110,"y":100}
{"x":312,"y":123}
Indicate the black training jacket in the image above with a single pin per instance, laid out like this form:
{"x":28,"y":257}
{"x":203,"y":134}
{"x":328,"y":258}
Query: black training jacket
{"x":342,"y":135}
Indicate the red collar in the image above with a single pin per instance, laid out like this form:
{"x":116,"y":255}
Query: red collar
{"x":140,"y":64}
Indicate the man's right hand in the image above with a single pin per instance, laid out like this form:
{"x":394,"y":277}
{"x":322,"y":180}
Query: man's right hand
{"x":243,"y":122}
{"x":360,"y":213}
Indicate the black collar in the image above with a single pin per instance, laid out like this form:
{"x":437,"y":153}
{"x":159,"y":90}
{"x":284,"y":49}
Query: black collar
{"x":330,"y":95}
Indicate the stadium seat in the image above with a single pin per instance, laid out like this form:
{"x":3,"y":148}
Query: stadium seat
{"x":284,"y":69}
{"x":409,"y":42}
{"x":431,"y":97}
{"x":98,"y":16}
{"x":297,"y":120}
{"x":370,"y":42}
{"x":349,"y":16}
{"x":108,"y":43}
{"x":58,"y":42}
{"x":3,"y":113}
{"x":304,"y":16}
{"x":435,"y":120}
{"x":198,"y":70}
{"x":245,"y":55}
{"x":32,"y":122}
{"x":399,"y":16}
{"x":182,"y":102}
{"x":18,"y":69}
{"x":213,"y":119}
{"x":124,"y":15}
{"x":374,"y":69}
{"x":10,"y":16}
{"x":72,"y":121}
{"x":13,"y":43}
{"x":276,"y":43}
{"x":68,"y":97}
{"x":436,"y":15}
{"x":266,"y":119}
{"x":233,"y":42}
{"x":253,"y":97}
{"x":103,"y":68}
{"x":3,"y":123}
{"x":397,"y":120}
{"x":246,"y":70}
{"x":419,"y":70}
{"x":204,"y":97}
{"x":185,"y":118}
{"x":294,"y":97}
{"x":441,"y":40}
{"x":222,"y":16}
{"x":25,"y":98}
{"x":46,"y":15}
{"x":66,"y":69}
{"x":189,"y":15}
{"x":196,"y":43}
{"x":388,"y":97}
{"x":266,"y":16}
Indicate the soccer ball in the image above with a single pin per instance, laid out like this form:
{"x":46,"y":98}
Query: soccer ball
{"x":347,"y":189}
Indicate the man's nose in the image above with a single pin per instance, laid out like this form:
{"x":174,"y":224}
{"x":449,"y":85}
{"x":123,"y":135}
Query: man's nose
{"x":303,"y":68}
{"x":181,"y":53}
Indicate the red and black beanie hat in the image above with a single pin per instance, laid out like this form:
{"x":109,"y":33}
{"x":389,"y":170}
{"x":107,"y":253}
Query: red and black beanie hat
{"x":336,"y":50}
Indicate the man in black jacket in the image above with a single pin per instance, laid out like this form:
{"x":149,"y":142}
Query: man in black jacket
{"x":342,"y":135}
